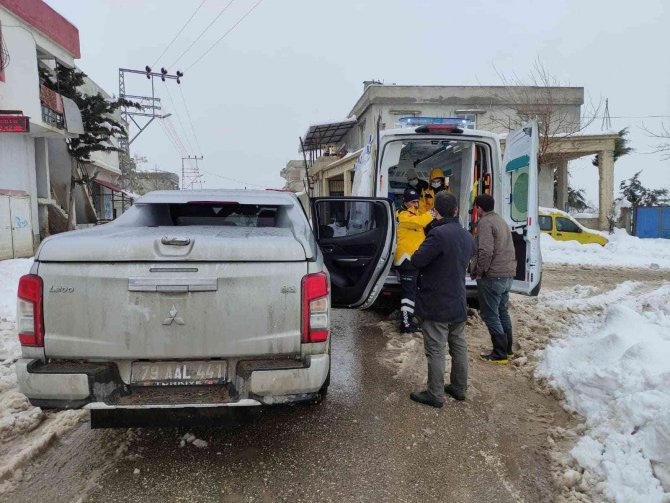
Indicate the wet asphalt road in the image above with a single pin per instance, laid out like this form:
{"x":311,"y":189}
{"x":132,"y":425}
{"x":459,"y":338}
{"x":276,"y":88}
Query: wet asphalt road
{"x":365,"y":442}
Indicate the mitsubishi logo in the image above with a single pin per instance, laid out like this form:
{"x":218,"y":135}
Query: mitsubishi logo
{"x":173,"y":317}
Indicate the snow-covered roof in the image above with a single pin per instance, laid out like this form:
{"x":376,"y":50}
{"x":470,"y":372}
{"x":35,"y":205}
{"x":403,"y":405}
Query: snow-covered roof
{"x":239,"y":196}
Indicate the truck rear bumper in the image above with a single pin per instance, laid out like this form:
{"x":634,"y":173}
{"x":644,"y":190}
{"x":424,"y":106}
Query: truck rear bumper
{"x":73,"y":385}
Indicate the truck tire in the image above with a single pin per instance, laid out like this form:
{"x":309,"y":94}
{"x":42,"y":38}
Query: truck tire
{"x":324,"y":388}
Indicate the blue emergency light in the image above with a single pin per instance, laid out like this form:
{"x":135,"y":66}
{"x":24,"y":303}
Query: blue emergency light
{"x":433,"y":121}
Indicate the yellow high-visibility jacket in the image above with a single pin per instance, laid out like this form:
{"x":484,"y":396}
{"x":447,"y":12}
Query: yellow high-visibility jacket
{"x":427,"y":201}
{"x":410,"y":232}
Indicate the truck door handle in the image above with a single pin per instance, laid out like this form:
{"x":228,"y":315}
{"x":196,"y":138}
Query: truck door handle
{"x":140,"y":284}
{"x":175,"y":241}
{"x":559,"y":234}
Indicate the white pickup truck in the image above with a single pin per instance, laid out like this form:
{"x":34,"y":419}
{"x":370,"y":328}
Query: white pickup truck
{"x":197,"y":299}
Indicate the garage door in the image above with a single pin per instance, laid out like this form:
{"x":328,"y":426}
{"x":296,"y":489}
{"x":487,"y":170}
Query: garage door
{"x":16,"y":229}
{"x":22,"y":229}
{"x":6,"y":248}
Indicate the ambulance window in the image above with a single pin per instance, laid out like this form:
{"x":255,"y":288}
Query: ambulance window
{"x":519,"y":212}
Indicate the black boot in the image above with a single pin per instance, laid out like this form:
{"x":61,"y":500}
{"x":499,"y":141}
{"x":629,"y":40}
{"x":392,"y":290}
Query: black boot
{"x":424,"y":398}
{"x":407,"y":326}
{"x":449,"y":390}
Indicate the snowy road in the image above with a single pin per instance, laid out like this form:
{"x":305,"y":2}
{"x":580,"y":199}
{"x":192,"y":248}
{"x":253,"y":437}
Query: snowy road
{"x":367,"y":441}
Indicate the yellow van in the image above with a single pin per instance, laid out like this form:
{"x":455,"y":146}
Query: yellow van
{"x":562,"y":227}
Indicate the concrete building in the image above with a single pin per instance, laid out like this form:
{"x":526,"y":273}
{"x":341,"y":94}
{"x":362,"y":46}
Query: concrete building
{"x":148,"y":181}
{"x":35,"y":165}
{"x":35,"y":37}
{"x":332,"y":148}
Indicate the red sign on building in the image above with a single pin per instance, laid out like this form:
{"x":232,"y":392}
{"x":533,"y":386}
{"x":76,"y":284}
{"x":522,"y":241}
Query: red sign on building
{"x":14,"y":124}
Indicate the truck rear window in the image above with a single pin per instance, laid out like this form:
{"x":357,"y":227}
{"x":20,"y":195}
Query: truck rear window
{"x":227,"y":214}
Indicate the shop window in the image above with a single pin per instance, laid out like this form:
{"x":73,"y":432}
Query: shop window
{"x":471,"y":118}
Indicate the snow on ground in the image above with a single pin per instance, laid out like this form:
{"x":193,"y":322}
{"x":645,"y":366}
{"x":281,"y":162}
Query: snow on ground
{"x":622,"y":250}
{"x":25,"y":431}
{"x":614,"y":370}
{"x":10,"y":272}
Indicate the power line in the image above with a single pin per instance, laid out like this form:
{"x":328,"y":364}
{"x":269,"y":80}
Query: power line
{"x":170,"y":125}
{"x":181,"y":124}
{"x":203,"y":32}
{"x":225,"y":34}
{"x":232,"y":179}
{"x":188,"y":114}
{"x":179,"y":32}
{"x":170,"y":136}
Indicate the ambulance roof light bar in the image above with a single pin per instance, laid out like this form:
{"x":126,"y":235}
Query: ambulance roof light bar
{"x":413,"y":121}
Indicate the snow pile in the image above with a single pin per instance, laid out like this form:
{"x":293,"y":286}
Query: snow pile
{"x":622,"y":250}
{"x":614,"y":370}
{"x":10,"y":272}
{"x":16,"y":414}
{"x":25,"y":431}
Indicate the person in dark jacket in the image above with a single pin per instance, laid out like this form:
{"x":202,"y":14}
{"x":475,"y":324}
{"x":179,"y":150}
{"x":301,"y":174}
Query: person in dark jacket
{"x":414,"y":182}
{"x":442,"y":261}
{"x":494,"y":269}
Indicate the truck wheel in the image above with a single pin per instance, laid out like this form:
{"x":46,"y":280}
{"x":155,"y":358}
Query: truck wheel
{"x":324,"y":388}
{"x":386,"y":304}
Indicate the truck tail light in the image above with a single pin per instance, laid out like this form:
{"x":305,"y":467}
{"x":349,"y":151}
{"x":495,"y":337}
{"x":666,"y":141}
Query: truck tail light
{"x":315,"y":308}
{"x":29,"y":319}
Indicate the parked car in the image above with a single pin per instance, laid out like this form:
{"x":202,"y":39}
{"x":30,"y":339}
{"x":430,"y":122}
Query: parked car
{"x":561,"y":226}
{"x":197,"y":299}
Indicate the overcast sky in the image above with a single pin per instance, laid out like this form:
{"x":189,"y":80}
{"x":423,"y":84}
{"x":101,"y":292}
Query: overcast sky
{"x":292,"y":63}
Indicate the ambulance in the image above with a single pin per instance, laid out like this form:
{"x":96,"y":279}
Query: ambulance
{"x":471,"y":160}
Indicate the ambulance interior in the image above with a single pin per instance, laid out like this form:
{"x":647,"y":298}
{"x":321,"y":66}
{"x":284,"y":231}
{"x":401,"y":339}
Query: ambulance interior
{"x":467,"y":167}
{"x":460,"y":161}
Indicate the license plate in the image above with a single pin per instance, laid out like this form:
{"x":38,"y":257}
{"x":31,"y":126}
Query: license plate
{"x":194,"y":373}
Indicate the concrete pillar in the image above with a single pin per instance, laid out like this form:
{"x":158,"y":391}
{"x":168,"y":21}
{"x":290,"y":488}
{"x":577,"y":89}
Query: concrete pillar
{"x":546,"y":186}
{"x":562,"y":185}
{"x":347,"y":183}
{"x":42,"y":178}
{"x":606,"y":187}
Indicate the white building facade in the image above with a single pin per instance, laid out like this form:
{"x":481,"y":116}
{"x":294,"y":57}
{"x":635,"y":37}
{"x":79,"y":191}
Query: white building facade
{"x":33,"y":36}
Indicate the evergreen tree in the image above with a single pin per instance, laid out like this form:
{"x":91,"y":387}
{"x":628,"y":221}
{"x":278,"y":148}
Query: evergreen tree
{"x":100,"y":126}
{"x":621,"y":147}
{"x":638,"y":195}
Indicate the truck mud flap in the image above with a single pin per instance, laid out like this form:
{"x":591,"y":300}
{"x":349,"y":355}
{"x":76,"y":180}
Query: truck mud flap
{"x":226,"y":417}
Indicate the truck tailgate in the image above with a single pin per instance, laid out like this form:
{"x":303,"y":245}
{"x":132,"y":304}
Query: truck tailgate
{"x":165,"y":310}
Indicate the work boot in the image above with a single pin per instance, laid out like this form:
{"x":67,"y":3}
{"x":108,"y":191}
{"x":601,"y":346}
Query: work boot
{"x":424,"y":398}
{"x":407,"y":325}
{"x":491,"y":358}
{"x":449,"y":390}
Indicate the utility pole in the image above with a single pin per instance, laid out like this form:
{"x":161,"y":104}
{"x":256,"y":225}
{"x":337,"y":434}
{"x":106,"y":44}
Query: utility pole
{"x":190,"y":175}
{"x":150,"y":109}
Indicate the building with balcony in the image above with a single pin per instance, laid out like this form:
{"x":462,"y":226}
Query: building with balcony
{"x":35,"y":38}
{"x":331,"y":149}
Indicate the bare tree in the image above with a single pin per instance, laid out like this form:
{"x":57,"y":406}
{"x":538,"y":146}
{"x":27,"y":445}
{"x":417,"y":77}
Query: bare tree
{"x":537,"y":97}
{"x":663,"y":147}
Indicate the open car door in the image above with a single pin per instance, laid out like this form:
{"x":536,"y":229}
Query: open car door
{"x":521,"y":190}
{"x":356,"y":236}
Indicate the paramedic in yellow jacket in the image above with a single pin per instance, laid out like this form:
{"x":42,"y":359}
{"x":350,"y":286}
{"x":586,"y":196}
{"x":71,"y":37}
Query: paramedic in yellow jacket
{"x":411,"y":223}
{"x":438,"y":183}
